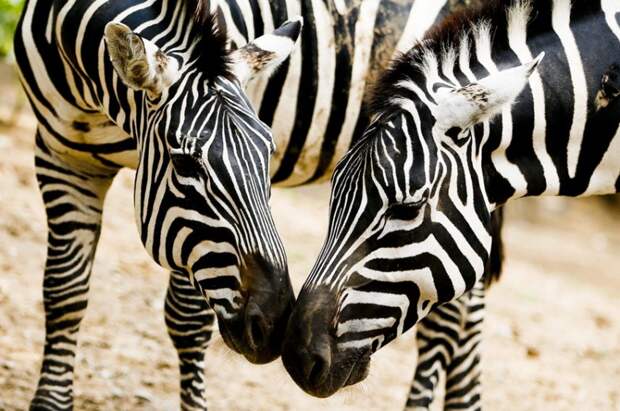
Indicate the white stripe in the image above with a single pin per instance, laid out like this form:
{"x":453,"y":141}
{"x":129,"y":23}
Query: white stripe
{"x":400,"y":301}
{"x":79,"y":39}
{"x":246,"y":12}
{"x":517,"y":38}
{"x":50,"y":23}
{"x":326,"y":65}
{"x":341,"y":8}
{"x":611,"y":8}
{"x":366,"y":342}
{"x":561,"y":25}
{"x":365,"y":324}
{"x":177,"y":246}
{"x":421,"y":17}
{"x":233,"y":32}
{"x":504,"y":167}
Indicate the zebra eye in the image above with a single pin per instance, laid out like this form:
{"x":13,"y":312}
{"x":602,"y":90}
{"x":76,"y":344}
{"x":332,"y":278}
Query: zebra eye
{"x":405,"y":211}
{"x":185,"y":165}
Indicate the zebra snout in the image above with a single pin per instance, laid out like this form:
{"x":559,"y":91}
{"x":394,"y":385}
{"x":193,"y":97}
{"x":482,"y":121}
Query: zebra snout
{"x":316,"y":357}
{"x":308,"y":360}
{"x":309,"y":350}
{"x":256,"y":330}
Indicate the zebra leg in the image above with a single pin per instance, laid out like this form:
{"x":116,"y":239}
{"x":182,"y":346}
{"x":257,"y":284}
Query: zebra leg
{"x":73,"y":202}
{"x":437,"y":338}
{"x":448,"y":343}
{"x":463,"y":388}
{"x":190,"y":323}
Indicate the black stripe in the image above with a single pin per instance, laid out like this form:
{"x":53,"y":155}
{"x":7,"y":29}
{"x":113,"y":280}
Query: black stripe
{"x":601,"y":126}
{"x":257,"y":18}
{"x":237,"y":17}
{"x":306,"y":96}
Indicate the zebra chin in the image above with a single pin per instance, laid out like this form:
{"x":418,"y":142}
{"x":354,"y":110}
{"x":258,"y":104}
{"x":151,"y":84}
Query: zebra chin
{"x":311,"y":353}
{"x":256,"y":327}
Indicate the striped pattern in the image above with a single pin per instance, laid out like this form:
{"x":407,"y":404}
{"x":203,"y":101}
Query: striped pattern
{"x":202,"y":182}
{"x":189,"y":321}
{"x":314,"y":104}
{"x":448,"y":341}
{"x":449,"y":350}
{"x":203,"y":158}
{"x":67,"y":193}
{"x":411,"y":202}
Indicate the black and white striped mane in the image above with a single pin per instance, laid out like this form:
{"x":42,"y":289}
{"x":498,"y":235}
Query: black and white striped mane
{"x":463,"y":25}
{"x":213,"y":51}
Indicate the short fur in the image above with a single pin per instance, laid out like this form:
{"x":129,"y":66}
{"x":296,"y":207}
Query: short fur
{"x":450,"y":32}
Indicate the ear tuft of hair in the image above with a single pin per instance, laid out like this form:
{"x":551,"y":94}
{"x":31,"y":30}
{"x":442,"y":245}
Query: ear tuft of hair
{"x":214,"y":52}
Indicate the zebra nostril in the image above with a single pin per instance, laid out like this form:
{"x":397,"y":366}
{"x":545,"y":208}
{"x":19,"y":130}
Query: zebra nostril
{"x":317,"y":367}
{"x":318,"y":371}
{"x":256,"y":327}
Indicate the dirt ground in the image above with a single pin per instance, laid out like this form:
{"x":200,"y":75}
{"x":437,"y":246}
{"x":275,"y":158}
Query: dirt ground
{"x":552,"y":335}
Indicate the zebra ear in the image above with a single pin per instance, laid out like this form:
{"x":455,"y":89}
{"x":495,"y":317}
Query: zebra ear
{"x":464,"y":107}
{"x":138,"y":62}
{"x":265,"y":53}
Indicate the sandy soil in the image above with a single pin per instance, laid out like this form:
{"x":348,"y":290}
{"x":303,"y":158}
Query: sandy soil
{"x":552,"y":337}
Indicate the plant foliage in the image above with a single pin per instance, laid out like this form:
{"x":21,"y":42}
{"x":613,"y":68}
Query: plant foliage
{"x":9,"y":16}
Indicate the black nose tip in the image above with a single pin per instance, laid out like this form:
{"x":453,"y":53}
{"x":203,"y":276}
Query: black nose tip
{"x":316,"y":364}
{"x":256,"y":327}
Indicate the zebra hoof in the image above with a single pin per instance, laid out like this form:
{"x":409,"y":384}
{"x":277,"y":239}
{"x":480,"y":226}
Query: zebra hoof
{"x":41,"y":404}
{"x":46,"y":400}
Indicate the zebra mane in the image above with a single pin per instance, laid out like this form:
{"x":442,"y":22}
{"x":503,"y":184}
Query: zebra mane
{"x":213,"y":51}
{"x":444,"y":41}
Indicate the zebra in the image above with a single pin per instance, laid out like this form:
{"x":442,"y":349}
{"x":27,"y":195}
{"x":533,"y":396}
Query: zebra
{"x":158,"y":86}
{"x":467,"y":120}
{"x":152,"y":85}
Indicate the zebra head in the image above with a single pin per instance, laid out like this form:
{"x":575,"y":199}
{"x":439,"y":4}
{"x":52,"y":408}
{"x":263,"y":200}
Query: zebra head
{"x":203,"y":183}
{"x":408,"y":227}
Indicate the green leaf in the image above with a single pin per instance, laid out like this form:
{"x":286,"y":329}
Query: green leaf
{"x":9,"y":16}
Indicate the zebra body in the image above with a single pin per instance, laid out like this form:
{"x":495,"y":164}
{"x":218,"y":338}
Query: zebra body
{"x":315,"y":104}
{"x":97,"y":103}
{"x":338,"y":57}
{"x":464,"y":122}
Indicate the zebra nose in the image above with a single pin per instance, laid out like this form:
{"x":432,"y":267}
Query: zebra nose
{"x":257,"y":329}
{"x":316,"y":364}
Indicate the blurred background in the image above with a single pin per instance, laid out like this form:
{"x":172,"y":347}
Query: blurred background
{"x":552,"y":335}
